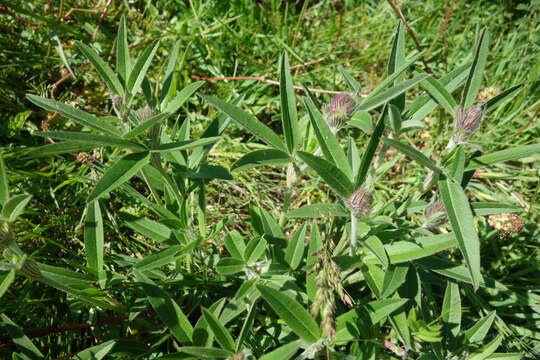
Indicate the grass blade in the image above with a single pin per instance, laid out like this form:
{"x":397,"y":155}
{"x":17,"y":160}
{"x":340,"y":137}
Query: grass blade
{"x":80,"y":117}
{"x":289,"y":117}
{"x":461,"y":218}
{"x":102,"y":68}
{"x":167,"y":309}
{"x":292,"y":313}
{"x":496,"y":100}
{"x":247,"y":121}
{"x":119,"y":173}
{"x":140,"y":68}
{"x":327,"y":139}
{"x":329,"y":172}
{"x":474,"y":80}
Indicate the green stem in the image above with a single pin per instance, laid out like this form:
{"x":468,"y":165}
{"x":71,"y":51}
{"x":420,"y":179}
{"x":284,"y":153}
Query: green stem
{"x":354,"y":241}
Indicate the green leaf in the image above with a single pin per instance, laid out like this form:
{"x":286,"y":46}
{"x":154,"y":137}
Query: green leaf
{"x":185,"y":145}
{"x":503,"y":155}
{"x":93,"y":238}
{"x":169,"y":84}
{"x":91,"y":139}
{"x":4,"y":185}
{"x":167,"y":309}
{"x":394,"y":277}
{"x":440,"y":94}
{"x":474,"y":80}
{"x":119,"y":173}
{"x":479,"y":330}
{"x":23,"y":343}
{"x":5,"y":281}
{"x":102,"y":68}
{"x":505,"y":356}
{"x":375,"y":245}
{"x":160,"y":258}
{"x":123,"y":60}
{"x":80,"y":117}
{"x":319,"y":210}
{"x":97,"y":352}
{"x":296,"y":247}
{"x":370,"y":151}
{"x":174,"y":104}
{"x":255,"y":249}
{"x":485,"y":351}
{"x":140,"y":68}
{"x":351,"y":82}
{"x":327,"y":140}
{"x":204,"y":352}
{"x":498,"y":99}
{"x":149,"y":228}
{"x":14,"y":207}
{"x":451,"y":309}
{"x":403,"y":251}
{"x":247,"y":121}
{"x":329,"y":172}
{"x":413,"y":154}
{"x":371,"y":103}
{"x":458,"y":165}
{"x":154,"y":120}
{"x":292,"y":313}
{"x":247,"y":327}
{"x":223,"y":336}
{"x":60,"y":148}
{"x":289,"y":117}
{"x":461,"y":219}
{"x":267,"y":157}
{"x":284,"y":352}
{"x":394,"y":116}
{"x":230,"y":266}
{"x":234,"y":242}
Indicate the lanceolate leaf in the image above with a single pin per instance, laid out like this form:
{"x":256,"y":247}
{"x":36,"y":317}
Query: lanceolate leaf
{"x":4,"y":185}
{"x":413,"y":153}
{"x":440,"y":94}
{"x":461,"y":218}
{"x":119,"y":173}
{"x":292,"y":313}
{"x":154,"y":120}
{"x":327,"y":140}
{"x":368,"y":155}
{"x":80,"y":117}
{"x":289,"y":117}
{"x":295,"y":250}
{"x":223,"y":336}
{"x":472,"y":86}
{"x":167,"y":309}
{"x":14,"y":207}
{"x":504,"y":155}
{"x":23,"y":343}
{"x":184,"y":145}
{"x":184,"y":94}
{"x":60,"y":148}
{"x":102,"y":68}
{"x":330,"y":173}
{"x":284,"y":352}
{"x":93,"y":237}
{"x":5,"y":281}
{"x":201,"y":353}
{"x":485,"y":351}
{"x":497,"y":99}
{"x":451,"y":309}
{"x":480,"y":329}
{"x":247,"y":121}
{"x":140,"y":68}
{"x":123,"y":61}
{"x":91,"y":139}
{"x":266,"y":157}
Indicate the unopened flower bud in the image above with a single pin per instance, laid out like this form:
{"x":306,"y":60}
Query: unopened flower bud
{"x":360,"y":201}
{"x":117,"y":102}
{"x":146,"y":113}
{"x":466,"y":123}
{"x":30,"y":269}
{"x":435,"y":215}
{"x":339,"y":110}
{"x":6,"y":237}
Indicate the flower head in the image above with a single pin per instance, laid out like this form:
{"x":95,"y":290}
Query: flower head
{"x":435,"y":215}
{"x":466,"y":123}
{"x":339,"y":110}
{"x":360,"y":201}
